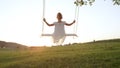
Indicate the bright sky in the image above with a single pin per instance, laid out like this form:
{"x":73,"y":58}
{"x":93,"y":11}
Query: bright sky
{"x":21,"y":20}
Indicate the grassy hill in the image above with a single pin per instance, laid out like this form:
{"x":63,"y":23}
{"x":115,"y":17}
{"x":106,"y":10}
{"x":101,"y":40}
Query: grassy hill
{"x":11,"y":45}
{"x":99,"y":54}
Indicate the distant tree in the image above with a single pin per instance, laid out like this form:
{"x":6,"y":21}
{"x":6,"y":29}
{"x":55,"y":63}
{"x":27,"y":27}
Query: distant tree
{"x":2,"y":44}
{"x":90,"y":2}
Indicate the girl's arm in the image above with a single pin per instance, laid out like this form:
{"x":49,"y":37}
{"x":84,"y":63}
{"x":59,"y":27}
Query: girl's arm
{"x":70,"y":23}
{"x":47,"y":23}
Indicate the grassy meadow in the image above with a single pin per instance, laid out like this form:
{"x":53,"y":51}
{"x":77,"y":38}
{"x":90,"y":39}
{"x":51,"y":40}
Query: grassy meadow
{"x":103,"y":54}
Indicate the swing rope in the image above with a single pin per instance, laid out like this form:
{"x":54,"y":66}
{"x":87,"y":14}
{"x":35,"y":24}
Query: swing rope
{"x":76,"y":18}
{"x":43,"y":16}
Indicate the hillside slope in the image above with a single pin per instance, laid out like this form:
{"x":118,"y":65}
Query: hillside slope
{"x":12,"y":45}
{"x":87,"y":55}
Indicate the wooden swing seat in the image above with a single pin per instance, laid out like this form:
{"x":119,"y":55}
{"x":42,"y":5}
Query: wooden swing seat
{"x":52,"y":35}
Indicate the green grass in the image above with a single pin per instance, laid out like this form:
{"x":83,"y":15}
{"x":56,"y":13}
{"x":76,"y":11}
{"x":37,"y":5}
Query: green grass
{"x":87,"y":55}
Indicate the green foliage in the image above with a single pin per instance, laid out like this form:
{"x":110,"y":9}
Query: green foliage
{"x":87,"y":55}
{"x":116,"y":2}
{"x":90,"y":2}
{"x":83,"y":2}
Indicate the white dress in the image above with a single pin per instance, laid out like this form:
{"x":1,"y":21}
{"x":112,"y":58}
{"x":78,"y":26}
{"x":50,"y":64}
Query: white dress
{"x":59,"y":32}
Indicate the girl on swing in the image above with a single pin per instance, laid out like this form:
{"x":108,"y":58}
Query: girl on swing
{"x":59,"y":31}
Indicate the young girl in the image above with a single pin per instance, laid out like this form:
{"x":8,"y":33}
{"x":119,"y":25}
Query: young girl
{"x":59,"y":32}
